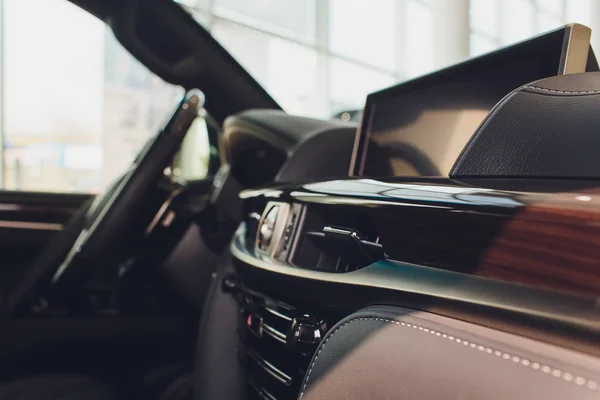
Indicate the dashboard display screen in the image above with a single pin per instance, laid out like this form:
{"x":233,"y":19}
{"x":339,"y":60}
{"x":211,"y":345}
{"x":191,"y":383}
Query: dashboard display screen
{"x":420,"y":127}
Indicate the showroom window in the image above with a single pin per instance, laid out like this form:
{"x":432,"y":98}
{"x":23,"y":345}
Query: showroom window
{"x":496,"y":23}
{"x":321,"y":57}
{"x":91,"y":105}
{"x":76,"y":106}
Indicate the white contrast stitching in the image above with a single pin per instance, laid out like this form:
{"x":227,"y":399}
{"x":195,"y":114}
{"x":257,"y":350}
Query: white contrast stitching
{"x":560,"y":91}
{"x":566,"y":376}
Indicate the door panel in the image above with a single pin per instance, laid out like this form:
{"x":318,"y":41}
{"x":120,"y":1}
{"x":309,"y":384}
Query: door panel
{"x":27,"y":221}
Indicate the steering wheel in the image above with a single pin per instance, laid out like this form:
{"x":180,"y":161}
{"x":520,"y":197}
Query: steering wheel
{"x":92,"y":232}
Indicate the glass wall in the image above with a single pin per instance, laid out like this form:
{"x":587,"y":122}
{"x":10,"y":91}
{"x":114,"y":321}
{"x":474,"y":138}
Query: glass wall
{"x":76,"y":107}
{"x":319,"y":57}
{"x":497,"y":23}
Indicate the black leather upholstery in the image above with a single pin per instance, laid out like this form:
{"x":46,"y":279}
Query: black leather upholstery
{"x":283,"y":130}
{"x":325,"y":154}
{"x":548,"y":128}
{"x":266,"y":138}
{"x":395,"y":353}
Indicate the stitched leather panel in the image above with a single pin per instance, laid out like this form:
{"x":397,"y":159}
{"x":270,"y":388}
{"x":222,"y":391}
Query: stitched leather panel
{"x":584,"y":82}
{"x":548,"y":129}
{"x":325,"y":155}
{"x":394,"y":353}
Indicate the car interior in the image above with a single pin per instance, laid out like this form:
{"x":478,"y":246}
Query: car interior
{"x":441,"y":243}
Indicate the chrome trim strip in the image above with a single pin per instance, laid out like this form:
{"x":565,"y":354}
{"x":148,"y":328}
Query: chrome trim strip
{"x":576,"y":47}
{"x":28,"y":208}
{"x":36,"y":226}
{"x":270,"y":368}
{"x":278,"y":314}
{"x":263,"y":393}
{"x":279,"y":227}
{"x":274,"y":333}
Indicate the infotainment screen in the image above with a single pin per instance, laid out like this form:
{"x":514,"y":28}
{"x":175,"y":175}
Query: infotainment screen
{"x":419,"y":128}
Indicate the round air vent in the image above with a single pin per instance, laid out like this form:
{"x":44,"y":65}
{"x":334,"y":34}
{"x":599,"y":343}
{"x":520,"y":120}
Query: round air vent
{"x":266,"y":229}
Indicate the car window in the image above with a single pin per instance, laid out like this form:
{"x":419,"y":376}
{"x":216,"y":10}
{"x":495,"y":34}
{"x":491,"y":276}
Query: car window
{"x":76,"y":106}
{"x":322,"y":57}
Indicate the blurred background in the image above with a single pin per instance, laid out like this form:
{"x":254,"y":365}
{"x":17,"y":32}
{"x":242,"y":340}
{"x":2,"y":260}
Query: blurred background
{"x":75,"y":107}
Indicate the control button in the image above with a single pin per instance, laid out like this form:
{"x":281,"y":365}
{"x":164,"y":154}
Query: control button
{"x":231,"y":283}
{"x":254,"y":323}
{"x":305,"y":334}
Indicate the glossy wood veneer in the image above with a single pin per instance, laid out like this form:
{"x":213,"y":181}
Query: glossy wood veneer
{"x":540,"y":233}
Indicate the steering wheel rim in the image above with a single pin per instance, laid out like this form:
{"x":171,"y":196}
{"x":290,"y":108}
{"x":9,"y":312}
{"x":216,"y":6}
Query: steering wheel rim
{"x":97,"y":235}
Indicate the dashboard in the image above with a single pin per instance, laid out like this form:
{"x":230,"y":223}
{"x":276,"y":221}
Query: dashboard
{"x":367,"y":286}
{"x":326,"y":249}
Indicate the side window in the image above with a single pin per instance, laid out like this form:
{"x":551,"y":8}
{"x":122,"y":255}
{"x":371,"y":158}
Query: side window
{"x":75,"y":106}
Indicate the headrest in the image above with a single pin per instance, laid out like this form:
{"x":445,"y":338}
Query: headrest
{"x":546,"y":129}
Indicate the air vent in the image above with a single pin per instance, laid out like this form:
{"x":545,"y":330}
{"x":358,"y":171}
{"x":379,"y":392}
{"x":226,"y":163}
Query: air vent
{"x":276,"y":229}
{"x":266,"y":229}
{"x":343,"y":249}
{"x":337,"y":242}
{"x":274,"y":368}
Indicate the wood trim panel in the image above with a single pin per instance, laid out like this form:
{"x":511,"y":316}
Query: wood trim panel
{"x":554,"y":243}
{"x":541,"y":233}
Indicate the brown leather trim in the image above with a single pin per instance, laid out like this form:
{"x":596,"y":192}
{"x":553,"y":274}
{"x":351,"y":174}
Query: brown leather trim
{"x":382,"y":354}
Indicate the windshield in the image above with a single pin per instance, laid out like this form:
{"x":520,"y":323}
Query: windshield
{"x":321,"y":57}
